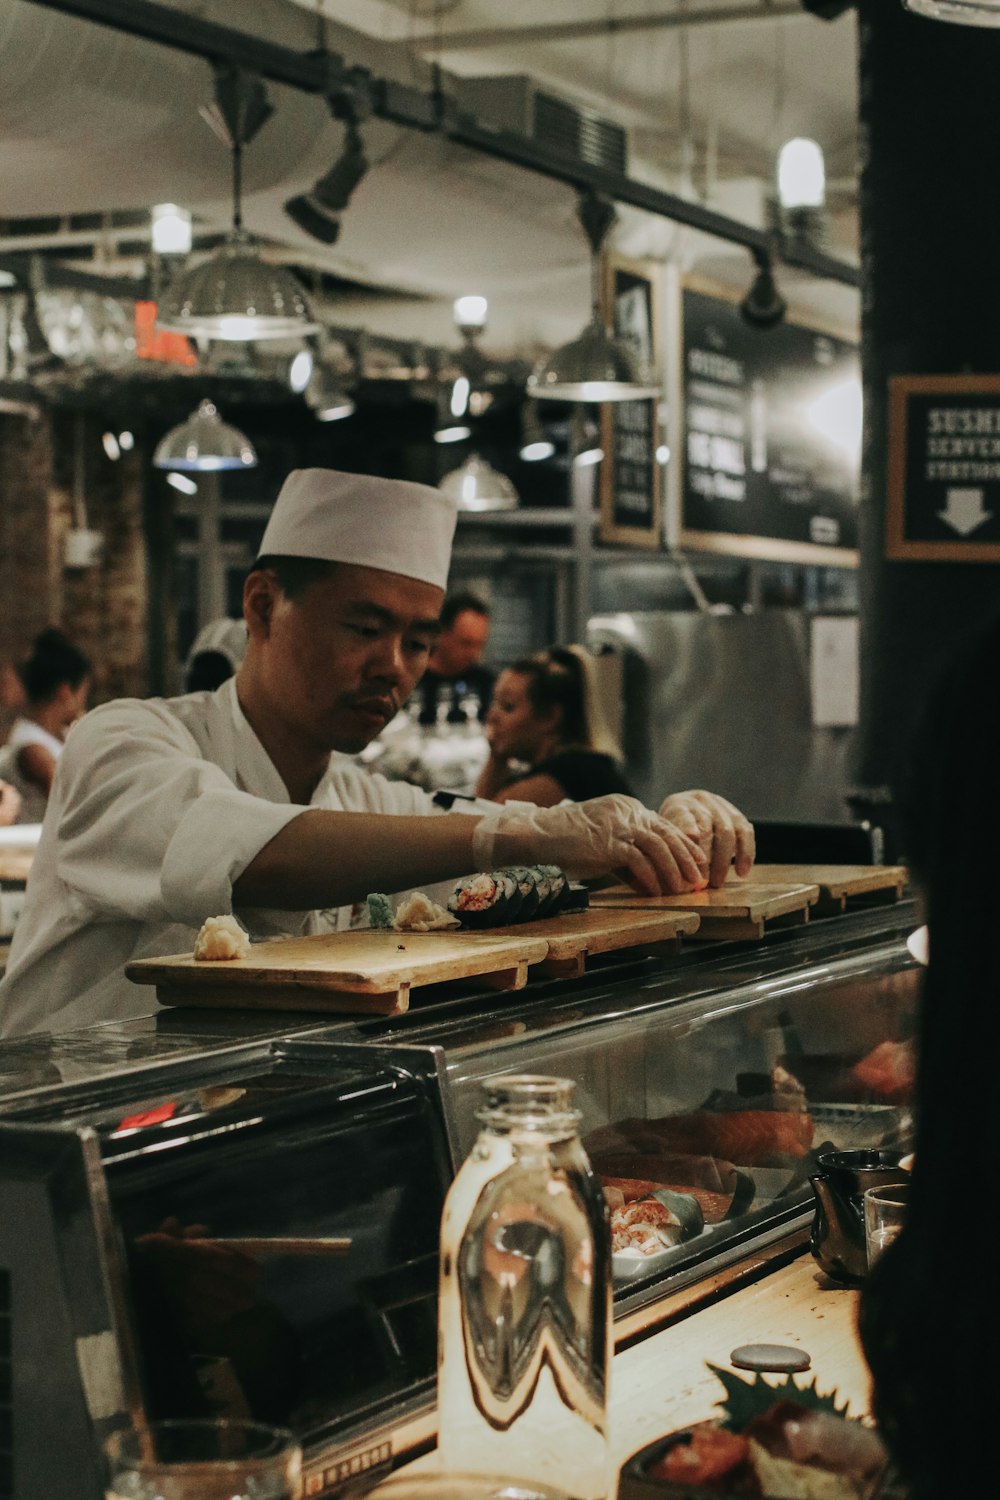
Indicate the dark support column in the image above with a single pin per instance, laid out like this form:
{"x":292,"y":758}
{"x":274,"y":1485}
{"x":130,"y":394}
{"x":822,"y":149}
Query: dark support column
{"x":930,"y":226}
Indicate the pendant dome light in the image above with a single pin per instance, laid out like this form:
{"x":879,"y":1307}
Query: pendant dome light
{"x":963,"y":12}
{"x":204,"y":443}
{"x":476,"y":485}
{"x":234,"y":295}
{"x":597,"y":365}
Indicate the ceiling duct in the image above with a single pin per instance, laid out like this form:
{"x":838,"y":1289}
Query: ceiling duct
{"x":516,"y":104}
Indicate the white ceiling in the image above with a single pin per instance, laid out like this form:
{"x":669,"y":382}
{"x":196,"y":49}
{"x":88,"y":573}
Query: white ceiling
{"x":94,"y":120}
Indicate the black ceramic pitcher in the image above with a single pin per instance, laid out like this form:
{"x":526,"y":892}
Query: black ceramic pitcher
{"x":837,"y":1239}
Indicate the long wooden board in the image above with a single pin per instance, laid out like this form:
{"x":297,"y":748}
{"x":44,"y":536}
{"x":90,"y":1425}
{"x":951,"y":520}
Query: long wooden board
{"x":15,"y":864}
{"x":359,"y":972}
{"x":574,"y":937}
{"x":839,"y":884}
{"x":739,"y":909}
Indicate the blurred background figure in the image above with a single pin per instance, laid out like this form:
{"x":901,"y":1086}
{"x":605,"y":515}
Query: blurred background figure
{"x":216,"y":654}
{"x":56,"y":681}
{"x":548,"y":738}
{"x":931,"y":1295}
{"x":456,"y":686}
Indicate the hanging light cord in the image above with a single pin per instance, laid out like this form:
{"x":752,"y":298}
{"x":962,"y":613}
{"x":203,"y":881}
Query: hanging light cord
{"x":237,"y":184}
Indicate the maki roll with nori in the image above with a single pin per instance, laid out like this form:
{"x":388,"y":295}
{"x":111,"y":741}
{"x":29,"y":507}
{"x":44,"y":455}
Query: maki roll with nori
{"x":552,"y":886}
{"x":485,"y":900}
{"x":524,"y":879}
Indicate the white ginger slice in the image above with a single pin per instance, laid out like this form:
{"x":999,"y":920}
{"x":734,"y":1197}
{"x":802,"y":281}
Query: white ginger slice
{"x":221,"y":938}
{"x":418,"y":913}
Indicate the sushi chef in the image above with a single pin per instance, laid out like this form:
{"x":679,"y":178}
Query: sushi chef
{"x":166,"y":812}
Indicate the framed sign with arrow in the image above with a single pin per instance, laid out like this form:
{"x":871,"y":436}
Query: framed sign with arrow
{"x":943,"y":500}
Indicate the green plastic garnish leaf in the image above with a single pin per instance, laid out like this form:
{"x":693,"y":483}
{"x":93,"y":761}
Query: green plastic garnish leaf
{"x":746,"y":1399}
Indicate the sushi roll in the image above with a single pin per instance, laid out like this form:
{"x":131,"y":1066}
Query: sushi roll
{"x":485,"y":900}
{"x":577,"y":897}
{"x":554,"y":883}
{"x":524,"y":879}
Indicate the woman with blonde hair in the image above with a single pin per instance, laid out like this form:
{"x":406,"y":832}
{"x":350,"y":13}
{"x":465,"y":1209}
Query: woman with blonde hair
{"x":547,"y":735}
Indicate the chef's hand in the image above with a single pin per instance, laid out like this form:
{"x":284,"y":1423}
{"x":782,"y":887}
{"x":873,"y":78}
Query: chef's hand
{"x":604,"y":835}
{"x":720,"y":830}
{"x":10,"y":804}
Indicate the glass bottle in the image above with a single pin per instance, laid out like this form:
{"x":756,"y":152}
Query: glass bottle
{"x":524,"y":1343}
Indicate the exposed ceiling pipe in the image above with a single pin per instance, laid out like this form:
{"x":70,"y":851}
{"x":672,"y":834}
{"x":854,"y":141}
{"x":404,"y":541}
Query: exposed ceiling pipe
{"x":609,"y":26}
{"x":431,"y":111}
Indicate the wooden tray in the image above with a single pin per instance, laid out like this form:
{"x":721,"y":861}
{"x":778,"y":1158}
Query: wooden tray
{"x":361,"y":972}
{"x":840,"y":884}
{"x":572,"y":938}
{"x":739,"y":909}
{"x":15,"y":864}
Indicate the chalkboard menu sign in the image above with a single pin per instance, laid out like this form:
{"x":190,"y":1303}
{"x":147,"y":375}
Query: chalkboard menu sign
{"x":771,"y":437}
{"x":630,"y":473}
{"x":943,"y":502}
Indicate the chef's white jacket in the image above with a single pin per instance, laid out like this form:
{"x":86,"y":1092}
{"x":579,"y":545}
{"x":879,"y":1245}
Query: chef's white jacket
{"x":158,"y":806}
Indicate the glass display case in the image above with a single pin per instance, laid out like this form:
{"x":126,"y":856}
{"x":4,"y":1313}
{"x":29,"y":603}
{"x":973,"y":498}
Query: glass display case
{"x":239,"y":1213}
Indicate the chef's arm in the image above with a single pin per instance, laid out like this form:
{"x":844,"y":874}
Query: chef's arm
{"x":322,"y":859}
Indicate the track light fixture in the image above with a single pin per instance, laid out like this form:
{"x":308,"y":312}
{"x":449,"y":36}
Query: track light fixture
{"x":763,"y":306}
{"x":318,"y":212}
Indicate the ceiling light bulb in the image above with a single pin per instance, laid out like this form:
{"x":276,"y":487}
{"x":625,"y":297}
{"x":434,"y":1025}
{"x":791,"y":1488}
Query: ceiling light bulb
{"x":801,"y":174}
{"x":110,"y":445}
{"x":587,"y":457}
{"x":454,"y":434}
{"x":460,"y":396}
{"x":7,"y":278}
{"x":126,"y":441}
{"x":470,"y":312}
{"x":171,"y":229}
{"x":535,"y":452}
{"x":300,"y":371}
{"x":182,"y":482}
{"x":964,"y":12}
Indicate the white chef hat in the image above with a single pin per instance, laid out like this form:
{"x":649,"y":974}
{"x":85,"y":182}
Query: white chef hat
{"x":356,"y":518}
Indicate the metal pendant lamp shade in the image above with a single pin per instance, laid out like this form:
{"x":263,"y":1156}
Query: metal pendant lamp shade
{"x":204,"y":443}
{"x":963,"y":12}
{"x":476,"y":485}
{"x":596,"y":366}
{"x":236,"y":296}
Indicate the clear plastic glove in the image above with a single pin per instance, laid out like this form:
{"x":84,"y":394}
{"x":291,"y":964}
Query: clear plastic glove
{"x":604,"y":835}
{"x":724,"y":836}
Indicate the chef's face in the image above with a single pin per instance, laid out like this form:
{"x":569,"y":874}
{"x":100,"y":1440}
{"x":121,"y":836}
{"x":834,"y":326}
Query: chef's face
{"x":513,"y":727}
{"x":339,"y":659}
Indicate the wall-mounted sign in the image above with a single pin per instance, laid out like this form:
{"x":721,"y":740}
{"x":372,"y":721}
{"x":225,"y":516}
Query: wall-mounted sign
{"x":943,"y":501}
{"x":630,"y":472}
{"x":770,"y":434}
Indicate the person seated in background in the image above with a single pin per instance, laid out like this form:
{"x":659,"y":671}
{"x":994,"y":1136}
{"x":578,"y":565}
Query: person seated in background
{"x":547,"y":735}
{"x":56,"y":678}
{"x":927,"y":1306}
{"x":454,"y":671}
{"x":216,"y":653}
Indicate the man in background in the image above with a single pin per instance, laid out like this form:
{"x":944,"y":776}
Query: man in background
{"x":454,"y":675}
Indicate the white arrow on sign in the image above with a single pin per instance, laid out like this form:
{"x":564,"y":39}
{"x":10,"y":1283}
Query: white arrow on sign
{"x":964,"y":510}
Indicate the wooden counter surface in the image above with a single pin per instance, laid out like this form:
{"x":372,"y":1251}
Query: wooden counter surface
{"x":660,"y":1382}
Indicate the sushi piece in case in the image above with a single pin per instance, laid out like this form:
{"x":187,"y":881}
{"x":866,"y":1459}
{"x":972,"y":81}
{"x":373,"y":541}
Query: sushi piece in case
{"x":524,"y":878}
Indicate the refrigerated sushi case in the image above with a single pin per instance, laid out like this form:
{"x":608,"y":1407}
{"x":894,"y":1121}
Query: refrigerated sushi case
{"x":710,"y":1082}
{"x":251,"y":1232}
{"x":217,"y":1216}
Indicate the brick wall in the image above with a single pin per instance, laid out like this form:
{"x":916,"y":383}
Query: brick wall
{"x":104,"y":609}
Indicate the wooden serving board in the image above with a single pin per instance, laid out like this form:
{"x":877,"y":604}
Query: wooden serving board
{"x":15,"y":864}
{"x":357,"y":972}
{"x":840,"y":884}
{"x":739,"y":909}
{"x":575,"y":935}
